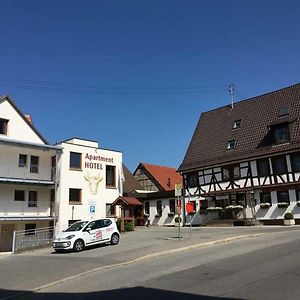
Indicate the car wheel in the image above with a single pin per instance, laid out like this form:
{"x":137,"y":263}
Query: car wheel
{"x":114,"y":240}
{"x":78,"y":245}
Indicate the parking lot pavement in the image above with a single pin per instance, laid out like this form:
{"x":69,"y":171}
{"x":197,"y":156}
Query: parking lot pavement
{"x":32,"y":269}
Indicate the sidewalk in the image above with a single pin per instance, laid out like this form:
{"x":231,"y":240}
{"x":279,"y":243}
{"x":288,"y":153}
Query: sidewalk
{"x":30,"y":270}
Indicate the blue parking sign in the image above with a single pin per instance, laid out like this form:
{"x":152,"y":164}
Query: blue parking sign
{"x":92,"y":209}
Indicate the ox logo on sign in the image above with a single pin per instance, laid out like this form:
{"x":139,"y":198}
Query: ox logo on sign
{"x":93,"y":182}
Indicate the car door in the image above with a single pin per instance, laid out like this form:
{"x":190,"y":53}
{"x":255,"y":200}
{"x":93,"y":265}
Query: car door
{"x":107,"y":229}
{"x":94,"y":230}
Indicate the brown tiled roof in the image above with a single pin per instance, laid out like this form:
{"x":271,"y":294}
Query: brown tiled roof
{"x":130,"y":184}
{"x":127,"y":201}
{"x":162,"y":174}
{"x":214,"y":130}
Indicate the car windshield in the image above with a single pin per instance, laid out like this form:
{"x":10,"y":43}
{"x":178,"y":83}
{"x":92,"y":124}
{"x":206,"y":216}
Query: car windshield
{"x":77,"y":226}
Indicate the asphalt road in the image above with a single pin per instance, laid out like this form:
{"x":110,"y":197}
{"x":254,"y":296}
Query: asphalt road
{"x":259,"y":267}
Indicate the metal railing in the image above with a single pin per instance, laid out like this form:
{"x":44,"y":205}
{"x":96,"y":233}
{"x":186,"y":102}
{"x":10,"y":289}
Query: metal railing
{"x":31,"y":171}
{"x":32,"y":238}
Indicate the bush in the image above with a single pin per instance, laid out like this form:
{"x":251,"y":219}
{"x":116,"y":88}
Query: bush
{"x":178,"y":219}
{"x":288,"y":216}
{"x":283,"y":204}
{"x":265,"y":205}
{"x":119,"y":224}
{"x":129,"y":226}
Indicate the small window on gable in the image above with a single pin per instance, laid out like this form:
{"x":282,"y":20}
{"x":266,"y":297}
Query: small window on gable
{"x":231,"y":144}
{"x":3,"y":126}
{"x":237,"y":124}
{"x":283,"y":111}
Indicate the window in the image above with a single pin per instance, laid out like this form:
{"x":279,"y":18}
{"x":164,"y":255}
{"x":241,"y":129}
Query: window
{"x":75,"y":195}
{"x":110,"y":176}
{"x":147,"y":208}
{"x":283,"y":196}
{"x":283,"y":111}
{"x":241,"y":199}
{"x":106,"y":222}
{"x":75,"y":160}
{"x":159,"y":208}
{"x":225,"y":173}
{"x":295,"y":160}
{"x":95,"y":225}
{"x":34,"y":164}
{"x":280,"y":134}
{"x":203,"y":204}
{"x":231,"y":172}
{"x":172,"y":205}
{"x":263,"y":167}
{"x":265,"y":197}
{"x":32,"y":199}
{"x":298,"y":195}
{"x":231,"y":144}
{"x":110,"y":210}
{"x":237,"y":124}
{"x":192,"y":179}
{"x":30,"y":229}
{"x":279,"y":165}
{"x":236,"y":171}
{"x":3,"y":126}
{"x":22,"y":160}
{"x":19,"y":195}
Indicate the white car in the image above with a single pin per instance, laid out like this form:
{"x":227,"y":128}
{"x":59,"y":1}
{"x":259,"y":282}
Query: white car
{"x":87,"y":233}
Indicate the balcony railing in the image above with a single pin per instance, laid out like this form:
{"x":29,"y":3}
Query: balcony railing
{"x":31,"y":172}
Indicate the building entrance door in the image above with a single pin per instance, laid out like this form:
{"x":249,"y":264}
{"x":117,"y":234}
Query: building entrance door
{"x":6,"y":237}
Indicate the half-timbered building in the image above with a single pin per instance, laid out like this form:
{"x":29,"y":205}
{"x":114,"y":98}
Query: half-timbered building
{"x":158,"y":194}
{"x":243,"y":161}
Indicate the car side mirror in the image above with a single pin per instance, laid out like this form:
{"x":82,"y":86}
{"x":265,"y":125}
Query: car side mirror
{"x":88,"y":229}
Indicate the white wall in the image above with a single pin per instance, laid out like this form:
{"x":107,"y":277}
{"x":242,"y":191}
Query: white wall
{"x":11,"y":208}
{"x":18,"y":129}
{"x":76,"y":179}
{"x":9,"y":162}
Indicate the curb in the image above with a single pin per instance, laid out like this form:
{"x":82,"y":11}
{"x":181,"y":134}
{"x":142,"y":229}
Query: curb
{"x":135,"y":260}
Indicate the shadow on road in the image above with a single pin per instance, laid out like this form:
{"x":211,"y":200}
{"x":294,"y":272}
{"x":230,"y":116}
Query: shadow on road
{"x":119,"y":294}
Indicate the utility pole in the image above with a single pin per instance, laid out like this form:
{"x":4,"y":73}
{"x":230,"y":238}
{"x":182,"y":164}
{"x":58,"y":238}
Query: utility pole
{"x":231,"y":93}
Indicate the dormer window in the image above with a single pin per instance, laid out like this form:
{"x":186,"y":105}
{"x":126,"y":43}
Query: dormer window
{"x":231,"y":144}
{"x":280,"y":134}
{"x":237,"y":124}
{"x":3,"y":126}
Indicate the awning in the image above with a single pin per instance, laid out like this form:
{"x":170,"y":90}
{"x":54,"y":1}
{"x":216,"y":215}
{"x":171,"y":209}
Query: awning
{"x":127,"y":201}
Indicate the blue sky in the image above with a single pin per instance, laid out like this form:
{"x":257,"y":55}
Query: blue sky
{"x":135,"y":75}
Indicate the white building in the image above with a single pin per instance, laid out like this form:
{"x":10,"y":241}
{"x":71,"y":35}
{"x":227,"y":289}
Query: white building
{"x":27,"y":175}
{"x":90,"y":180}
{"x":42,"y":186}
{"x":243,"y":161}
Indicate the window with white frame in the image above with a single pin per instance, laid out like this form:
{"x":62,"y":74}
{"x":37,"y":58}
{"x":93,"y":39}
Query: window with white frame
{"x":231,"y":144}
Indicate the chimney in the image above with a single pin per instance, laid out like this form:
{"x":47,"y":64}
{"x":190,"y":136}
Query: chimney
{"x":28,"y":118}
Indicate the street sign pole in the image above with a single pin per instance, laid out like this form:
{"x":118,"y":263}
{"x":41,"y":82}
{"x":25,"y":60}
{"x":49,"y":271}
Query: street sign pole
{"x":178,"y":192}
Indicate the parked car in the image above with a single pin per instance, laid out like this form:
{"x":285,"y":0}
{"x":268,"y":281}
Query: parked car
{"x":87,"y":233}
